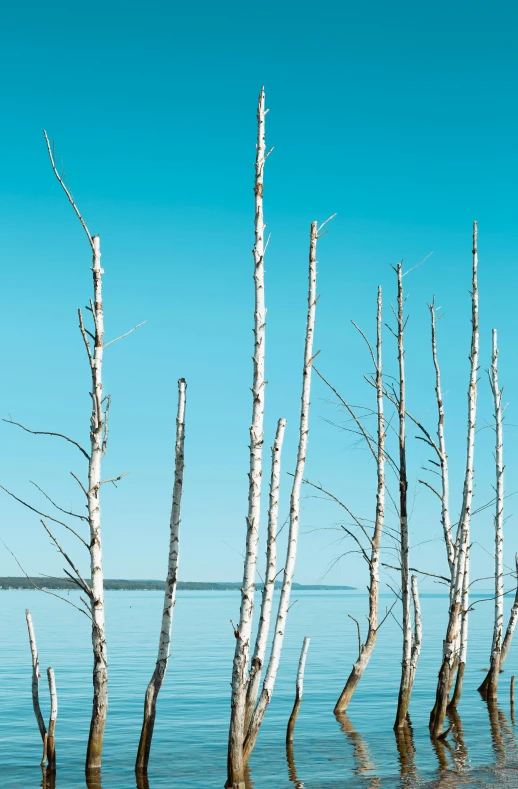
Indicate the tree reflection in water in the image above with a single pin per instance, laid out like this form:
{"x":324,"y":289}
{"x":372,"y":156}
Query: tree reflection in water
{"x":406,"y":754}
{"x":363,"y":762}
{"x":48,"y":778}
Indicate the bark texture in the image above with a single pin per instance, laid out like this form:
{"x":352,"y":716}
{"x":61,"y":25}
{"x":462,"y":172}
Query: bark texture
{"x":164,"y":643}
{"x":36,"y":676}
{"x":51,"y":748}
{"x":511,"y":624}
{"x":97,"y":446}
{"x":299,"y":690}
{"x":235,"y":763}
{"x":366,"y":649}
{"x":455,"y":642}
{"x":269,"y":581}
{"x":289,"y":568}
{"x":405,"y":688}
{"x":489,"y":686}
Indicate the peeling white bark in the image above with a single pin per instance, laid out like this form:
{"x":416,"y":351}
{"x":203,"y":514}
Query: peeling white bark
{"x":269,"y":581}
{"x":405,"y":689}
{"x":157,"y":679}
{"x":513,"y":617}
{"x":235,"y":778}
{"x":417,"y":639}
{"x":97,"y":447}
{"x":299,"y":691}
{"x":289,"y":569}
{"x":445,"y":480}
{"x":51,"y":748}
{"x":490,"y":684}
{"x":455,"y":642}
{"x":461,"y":596}
{"x":36,"y":676}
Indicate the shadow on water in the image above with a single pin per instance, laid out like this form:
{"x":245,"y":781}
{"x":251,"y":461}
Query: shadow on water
{"x":363,"y":761}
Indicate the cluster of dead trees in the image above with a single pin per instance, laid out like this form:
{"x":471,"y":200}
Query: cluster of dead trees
{"x":255,"y":667}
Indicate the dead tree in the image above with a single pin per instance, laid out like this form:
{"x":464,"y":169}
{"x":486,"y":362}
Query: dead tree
{"x":489,"y":686}
{"x":366,"y":649}
{"x":405,"y":689}
{"x":92,"y":604}
{"x":294,"y":518}
{"x":271,"y":574}
{"x":243,"y":632}
{"x":298,"y":691}
{"x":36,"y":676}
{"x":51,"y":747}
{"x":157,"y":679}
{"x":455,"y":642}
{"x":512,"y":622}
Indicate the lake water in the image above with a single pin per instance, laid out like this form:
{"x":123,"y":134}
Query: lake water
{"x":189,"y":745}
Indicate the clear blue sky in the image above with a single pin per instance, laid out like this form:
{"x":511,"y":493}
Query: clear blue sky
{"x":402,"y":118}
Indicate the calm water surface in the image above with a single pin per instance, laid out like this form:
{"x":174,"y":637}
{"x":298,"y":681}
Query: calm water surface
{"x":189,"y":745}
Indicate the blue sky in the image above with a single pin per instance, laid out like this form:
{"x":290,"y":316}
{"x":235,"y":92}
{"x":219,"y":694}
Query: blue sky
{"x":401,"y":118}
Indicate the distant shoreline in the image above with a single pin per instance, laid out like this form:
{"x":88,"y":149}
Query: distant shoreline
{"x":121,"y":584}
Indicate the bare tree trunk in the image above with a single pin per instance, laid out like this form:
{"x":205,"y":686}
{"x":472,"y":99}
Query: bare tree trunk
{"x":367,"y":648}
{"x":269,"y":581}
{"x":155,"y":684}
{"x":36,"y":676}
{"x":298,"y":692}
{"x":454,"y":647}
{"x":463,"y":641}
{"x":443,"y":456}
{"x":489,"y":686}
{"x":511,"y":624}
{"x":289,"y":568}
{"x":97,"y":436}
{"x":98,"y":443}
{"x":417,"y":639}
{"x":405,"y":689}
{"x":51,"y":749}
{"x":235,"y":764}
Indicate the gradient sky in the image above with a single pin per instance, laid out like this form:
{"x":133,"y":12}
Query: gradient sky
{"x":402,"y":118}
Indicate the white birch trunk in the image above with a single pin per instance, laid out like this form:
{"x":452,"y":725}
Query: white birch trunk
{"x":462,"y":584}
{"x":405,"y":689}
{"x":289,"y":569}
{"x":366,"y":649}
{"x":164,"y":643}
{"x":51,"y":748}
{"x":513,"y":617}
{"x":299,"y":691}
{"x":235,"y":779}
{"x":269,"y":581}
{"x":100,"y":671}
{"x":417,"y":639}
{"x":36,"y":676}
{"x":490,"y":685}
{"x":445,"y":480}
{"x":455,"y":642}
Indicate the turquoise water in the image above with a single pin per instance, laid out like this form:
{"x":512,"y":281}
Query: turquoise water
{"x":189,"y":745}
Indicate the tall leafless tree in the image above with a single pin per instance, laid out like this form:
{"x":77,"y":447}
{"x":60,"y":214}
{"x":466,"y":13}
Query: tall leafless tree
{"x":455,"y":642}
{"x":489,"y":686}
{"x":366,"y":649}
{"x":405,"y":689}
{"x":271,"y":574}
{"x":157,"y":679}
{"x":243,"y":632}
